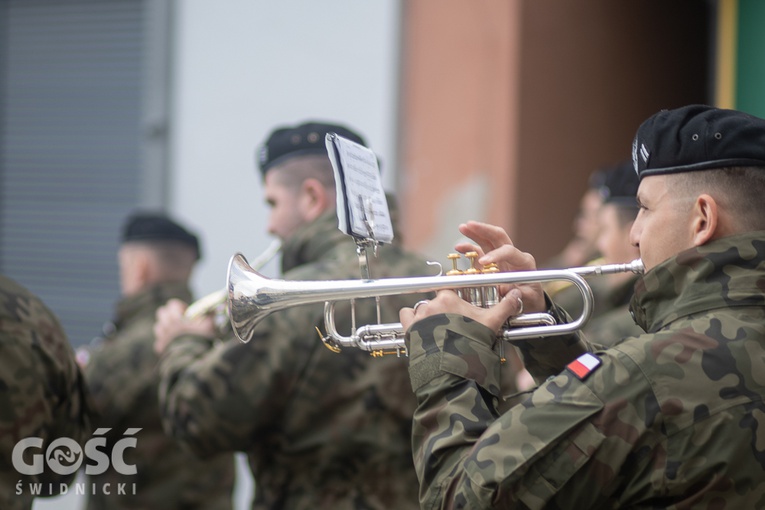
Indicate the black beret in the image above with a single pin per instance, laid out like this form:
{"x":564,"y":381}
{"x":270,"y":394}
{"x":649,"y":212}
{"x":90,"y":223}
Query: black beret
{"x":308,"y":138}
{"x":148,"y":226}
{"x":620,"y":185}
{"x":698,"y":137}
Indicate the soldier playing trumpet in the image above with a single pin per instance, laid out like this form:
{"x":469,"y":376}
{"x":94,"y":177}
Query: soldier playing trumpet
{"x":669,"y":419}
{"x":321,"y":430}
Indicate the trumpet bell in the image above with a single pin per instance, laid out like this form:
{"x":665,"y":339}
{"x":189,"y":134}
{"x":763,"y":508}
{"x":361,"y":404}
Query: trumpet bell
{"x":252,"y":296}
{"x":246,"y":306}
{"x":215,"y":304}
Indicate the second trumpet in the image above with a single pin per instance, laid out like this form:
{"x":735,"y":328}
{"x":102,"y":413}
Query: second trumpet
{"x":214,"y":304}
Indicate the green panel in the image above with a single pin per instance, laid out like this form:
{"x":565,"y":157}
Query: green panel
{"x":750,"y":79}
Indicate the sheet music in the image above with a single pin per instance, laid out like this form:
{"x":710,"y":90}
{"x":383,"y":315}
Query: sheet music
{"x":362,"y":209}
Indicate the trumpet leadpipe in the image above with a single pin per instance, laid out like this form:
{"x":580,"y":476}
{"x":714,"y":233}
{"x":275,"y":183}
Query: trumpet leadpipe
{"x":215,"y":302}
{"x":206,"y":305}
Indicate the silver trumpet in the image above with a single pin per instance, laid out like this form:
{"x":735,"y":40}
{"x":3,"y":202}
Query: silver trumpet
{"x":251,"y":297}
{"x":215,"y":303}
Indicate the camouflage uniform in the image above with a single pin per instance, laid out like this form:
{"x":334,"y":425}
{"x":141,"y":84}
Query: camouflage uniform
{"x":568,"y":296}
{"x":123,"y":383}
{"x":670,"y":419}
{"x":42,"y":393}
{"x":617,"y":323}
{"x":322,"y":430}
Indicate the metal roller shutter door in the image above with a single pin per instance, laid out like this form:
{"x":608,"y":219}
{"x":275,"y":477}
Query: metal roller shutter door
{"x":70,"y":142}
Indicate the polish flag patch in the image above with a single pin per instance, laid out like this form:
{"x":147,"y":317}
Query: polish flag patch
{"x":584,"y":365}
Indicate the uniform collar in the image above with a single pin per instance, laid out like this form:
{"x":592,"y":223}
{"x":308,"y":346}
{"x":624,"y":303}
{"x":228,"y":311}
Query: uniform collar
{"x":312,"y":241}
{"x":726,"y":273}
{"x":150,"y":298}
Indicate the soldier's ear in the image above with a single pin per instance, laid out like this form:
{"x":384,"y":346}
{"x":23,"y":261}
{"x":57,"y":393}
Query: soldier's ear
{"x":705,"y":220}
{"x":143,"y":269}
{"x":134,"y":268}
{"x":314,"y":199}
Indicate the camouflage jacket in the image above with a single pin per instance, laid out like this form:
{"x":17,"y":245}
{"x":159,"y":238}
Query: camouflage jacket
{"x":321,"y":429}
{"x":669,"y":419}
{"x":617,"y":323}
{"x":569,"y":297}
{"x":42,"y":395}
{"x":121,"y":374}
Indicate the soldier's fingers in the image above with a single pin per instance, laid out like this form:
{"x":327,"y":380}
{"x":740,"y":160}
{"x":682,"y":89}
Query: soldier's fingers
{"x":176,"y":307}
{"x":406,"y":317}
{"x":511,"y":304}
{"x":494,"y":318}
{"x":488,"y":236}
{"x":509,"y":258}
{"x":161,"y":338}
{"x":446,"y":301}
{"x":464,"y":247}
{"x":167,"y":317}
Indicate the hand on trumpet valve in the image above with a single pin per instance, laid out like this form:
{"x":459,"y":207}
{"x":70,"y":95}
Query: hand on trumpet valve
{"x":494,"y":246}
{"x":447,"y":301}
{"x":171,"y":323}
{"x":492,"y":251}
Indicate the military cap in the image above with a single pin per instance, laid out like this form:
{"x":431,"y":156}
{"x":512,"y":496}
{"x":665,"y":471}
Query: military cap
{"x":304,"y":139}
{"x":620,"y":185}
{"x":150,"y":226}
{"x":698,"y":137}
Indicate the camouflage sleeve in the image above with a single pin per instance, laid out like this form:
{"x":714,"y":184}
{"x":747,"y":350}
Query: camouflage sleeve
{"x":118,"y":374}
{"x":456,"y":379}
{"x":42,"y":391}
{"x":547,"y":357}
{"x":467,"y":457}
{"x":185,"y":370}
{"x":216,"y":398}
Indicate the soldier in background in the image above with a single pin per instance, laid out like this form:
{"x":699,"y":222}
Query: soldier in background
{"x":156,"y":259}
{"x":582,"y":250}
{"x":322,"y":430}
{"x":669,"y":419}
{"x":616,"y":216}
{"x":42,"y":395}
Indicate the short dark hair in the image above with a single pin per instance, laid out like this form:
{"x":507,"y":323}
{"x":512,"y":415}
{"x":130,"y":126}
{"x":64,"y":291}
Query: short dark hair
{"x":737,"y":189}
{"x":294,"y":171}
{"x":626,"y":214}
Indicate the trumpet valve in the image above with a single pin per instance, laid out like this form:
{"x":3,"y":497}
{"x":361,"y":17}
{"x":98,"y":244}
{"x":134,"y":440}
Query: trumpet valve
{"x":455,"y":271}
{"x":473,"y":295}
{"x":454,"y":257}
{"x":490,"y":292}
{"x":472,"y":256}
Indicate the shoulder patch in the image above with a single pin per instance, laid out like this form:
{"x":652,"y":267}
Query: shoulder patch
{"x":584,"y":365}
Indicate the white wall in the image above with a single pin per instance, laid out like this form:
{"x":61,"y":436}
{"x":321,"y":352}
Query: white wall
{"x":244,"y":66}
